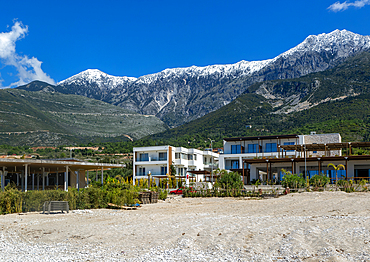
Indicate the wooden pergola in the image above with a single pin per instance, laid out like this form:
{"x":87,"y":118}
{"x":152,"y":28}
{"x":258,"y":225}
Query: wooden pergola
{"x":206,"y":174}
{"x":270,"y":161}
{"x":325,"y":147}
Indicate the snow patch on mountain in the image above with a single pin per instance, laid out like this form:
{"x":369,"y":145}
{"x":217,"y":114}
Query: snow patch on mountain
{"x":334,"y":42}
{"x":99,"y":78}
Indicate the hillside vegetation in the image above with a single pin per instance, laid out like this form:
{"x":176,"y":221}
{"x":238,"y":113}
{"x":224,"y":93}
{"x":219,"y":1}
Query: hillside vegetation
{"x":50,"y":118}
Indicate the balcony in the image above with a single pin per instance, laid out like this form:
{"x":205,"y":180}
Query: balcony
{"x":210,"y":166}
{"x":151,"y":159}
{"x":151,"y":175}
{"x":265,"y":155}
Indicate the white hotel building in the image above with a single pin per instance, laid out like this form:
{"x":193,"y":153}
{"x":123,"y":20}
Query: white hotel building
{"x":157,"y":161}
{"x":264,"y":157}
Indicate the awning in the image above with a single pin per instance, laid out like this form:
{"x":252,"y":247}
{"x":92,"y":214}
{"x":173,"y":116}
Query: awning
{"x":13,"y":165}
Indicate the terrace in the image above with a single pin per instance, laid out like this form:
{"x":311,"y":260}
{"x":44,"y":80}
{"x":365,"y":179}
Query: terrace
{"x":311,"y":159}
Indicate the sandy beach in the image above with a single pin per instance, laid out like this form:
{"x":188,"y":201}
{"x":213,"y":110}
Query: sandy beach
{"x":314,"y":226}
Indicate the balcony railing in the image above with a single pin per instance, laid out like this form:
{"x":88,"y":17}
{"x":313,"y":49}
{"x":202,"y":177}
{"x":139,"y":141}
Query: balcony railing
{"x":142,"y":159}
{"x":246,"y":152}
{"x":210,"y":164}
{"x":151,"y":159}
{"x":228,"y":167}
{"x":151,"y":175}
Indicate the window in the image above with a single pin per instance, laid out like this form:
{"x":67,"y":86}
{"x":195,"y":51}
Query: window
{"x":288,"y":144}
{"x":235,"y":149}
{"x":177,"y":155}
{"x":252,"y":148}
{"x":162,"y":156}
{"x":144,"y":157}
{"x":195,"y":157}
{"x":163,"y":170}
{"x":141,"y":171}
{"x":271,"y":147}
{"x":315,"y":152}
{"x":184,"y":156}
{"x":190,"y":157}
{"x":234,"y":164}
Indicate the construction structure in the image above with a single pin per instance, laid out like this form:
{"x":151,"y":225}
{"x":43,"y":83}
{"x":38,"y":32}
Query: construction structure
{"x":41,"y":174}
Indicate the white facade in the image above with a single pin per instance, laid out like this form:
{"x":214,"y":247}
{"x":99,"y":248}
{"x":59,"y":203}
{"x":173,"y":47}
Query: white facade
{"x":236,"y":149}
{"x":157,"y":161}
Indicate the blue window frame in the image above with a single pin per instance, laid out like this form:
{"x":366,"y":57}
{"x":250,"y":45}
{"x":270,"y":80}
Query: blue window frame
{"x":144,"y":157}
{"x":163,"y":170}
{"x":141,"y":171}
{"x":252,"y":148}
{"x":289,"y":144}
{"x":271,"y":147}
{"x":314,"y":152}
{"x":235,"y":149}
{"x":162,"y":156}
{"x":234,"y":164}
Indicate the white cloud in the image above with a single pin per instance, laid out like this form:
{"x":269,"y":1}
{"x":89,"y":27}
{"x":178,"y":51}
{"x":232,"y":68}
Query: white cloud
{"x":29,"y":69}
{"x":337,"y":6}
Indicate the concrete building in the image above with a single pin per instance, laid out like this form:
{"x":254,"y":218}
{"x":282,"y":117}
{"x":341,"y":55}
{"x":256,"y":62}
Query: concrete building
{"x":156,"y":160}
{"x":260,"y":147}
{"x":264,"y":157}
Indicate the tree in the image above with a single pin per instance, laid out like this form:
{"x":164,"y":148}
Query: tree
{"x":172,"y":170}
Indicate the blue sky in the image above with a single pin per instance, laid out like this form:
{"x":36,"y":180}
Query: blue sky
{"x":139,"y":37}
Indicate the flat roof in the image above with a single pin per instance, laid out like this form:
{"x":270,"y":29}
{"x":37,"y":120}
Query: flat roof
{"x":260,"y":137}
{"x":51,"y":165}
{"x":323,"y":147}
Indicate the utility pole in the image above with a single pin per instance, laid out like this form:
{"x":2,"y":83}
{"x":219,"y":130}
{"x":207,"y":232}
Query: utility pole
{"x":305,"y":163}
{"x":212,"y":160}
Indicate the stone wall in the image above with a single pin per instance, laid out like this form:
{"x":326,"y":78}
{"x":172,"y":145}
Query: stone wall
{"x":323,"y":139}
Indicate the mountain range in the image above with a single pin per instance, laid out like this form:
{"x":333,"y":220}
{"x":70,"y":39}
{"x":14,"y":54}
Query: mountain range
{"x":320,"y":85}
{"x":336,"y":100}
{"x":180,"y":95}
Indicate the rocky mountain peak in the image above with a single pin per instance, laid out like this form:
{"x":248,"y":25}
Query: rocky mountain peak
{"x":98,"y":78}
{"x":179,"y":95}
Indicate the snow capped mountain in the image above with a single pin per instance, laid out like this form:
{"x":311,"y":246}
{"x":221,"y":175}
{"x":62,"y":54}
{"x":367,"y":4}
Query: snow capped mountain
{"x":337,"y":41}
{"x":179,"y":95}
{"x":99,"y":78}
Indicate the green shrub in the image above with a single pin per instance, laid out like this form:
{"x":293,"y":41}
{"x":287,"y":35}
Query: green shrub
{"x":293,"y":180}
{"x":13,"y":200}
{"x":231,"y":180}
{"x":162,"y":194}
{"x":347,"y":186}
{"x":319,"y":180}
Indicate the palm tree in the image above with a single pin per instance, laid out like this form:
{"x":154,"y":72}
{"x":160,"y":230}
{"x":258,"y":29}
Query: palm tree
{"x":336,"y":168}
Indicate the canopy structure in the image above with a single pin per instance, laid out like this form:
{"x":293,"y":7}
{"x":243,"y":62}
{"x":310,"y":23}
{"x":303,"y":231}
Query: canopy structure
{"x":200,"y":172}
{"x":33,"y":173}
{"x":206,"y":174}
{"x":325,"y":147}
